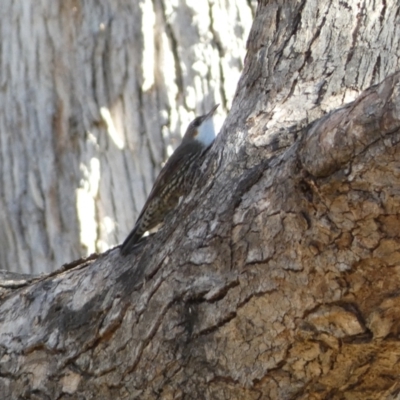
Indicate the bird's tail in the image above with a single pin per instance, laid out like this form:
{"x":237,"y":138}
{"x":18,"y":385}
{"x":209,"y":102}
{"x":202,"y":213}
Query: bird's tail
{"x":132,"y":239}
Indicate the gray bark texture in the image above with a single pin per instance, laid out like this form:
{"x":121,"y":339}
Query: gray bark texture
{"x":278,"y":277}
{"x":94,"y":96}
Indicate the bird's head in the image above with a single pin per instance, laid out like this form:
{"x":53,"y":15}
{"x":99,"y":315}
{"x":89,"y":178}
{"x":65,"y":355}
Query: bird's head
{"x":202,"y":129}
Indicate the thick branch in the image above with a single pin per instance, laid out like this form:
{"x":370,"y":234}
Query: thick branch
{"x":225,"y":306}
{"x":346,"y":133}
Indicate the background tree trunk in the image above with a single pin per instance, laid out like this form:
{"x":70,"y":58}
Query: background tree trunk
{"x":278,"y":277}
{"x":93,"y":98}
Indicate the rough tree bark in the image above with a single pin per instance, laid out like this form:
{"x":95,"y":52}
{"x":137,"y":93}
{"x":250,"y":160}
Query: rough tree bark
{"x":279,"y":276}
{"x":93,"y":96}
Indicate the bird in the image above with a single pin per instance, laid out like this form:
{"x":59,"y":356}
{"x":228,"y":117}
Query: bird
{"x":175,"y":178}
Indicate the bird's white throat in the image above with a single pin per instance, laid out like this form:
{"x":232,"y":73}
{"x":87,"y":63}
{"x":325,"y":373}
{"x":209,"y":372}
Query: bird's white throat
{"x":206,"y":132}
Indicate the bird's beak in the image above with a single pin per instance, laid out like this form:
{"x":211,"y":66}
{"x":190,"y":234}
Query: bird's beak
{"x":211,"y":113}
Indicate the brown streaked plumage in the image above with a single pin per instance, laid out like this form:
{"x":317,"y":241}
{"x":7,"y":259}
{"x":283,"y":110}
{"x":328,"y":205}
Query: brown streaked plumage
{"x":175,"y":178}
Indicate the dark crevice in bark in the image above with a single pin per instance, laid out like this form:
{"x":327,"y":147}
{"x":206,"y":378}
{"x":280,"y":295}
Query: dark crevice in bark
{"x":361,"y":338}
{"x":383,"y":12}
{"x":376,"y":70}
{"x":174,"y":48}
{"x":223,"y":292}
{"x":221,"y":52}
{"x":353,"y":46}
{"x":292,"y":29}
{"x":228,"y":318}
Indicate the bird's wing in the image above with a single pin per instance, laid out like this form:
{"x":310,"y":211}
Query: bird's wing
{"x":179,"y":159}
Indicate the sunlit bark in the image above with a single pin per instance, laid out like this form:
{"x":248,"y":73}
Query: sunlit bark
{"x":94,"y":97}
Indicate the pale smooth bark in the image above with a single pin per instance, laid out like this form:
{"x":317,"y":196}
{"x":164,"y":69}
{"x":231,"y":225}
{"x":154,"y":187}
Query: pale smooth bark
{"x":94,"y":97}
{"x":278,"y":277}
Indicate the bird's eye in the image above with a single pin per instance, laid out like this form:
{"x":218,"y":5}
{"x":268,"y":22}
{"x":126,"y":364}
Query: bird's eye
{"x":197,"y":122}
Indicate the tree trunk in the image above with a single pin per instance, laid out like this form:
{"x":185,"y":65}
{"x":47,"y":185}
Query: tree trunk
{"x":278,"y":276}
{"x":93,"y":98}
